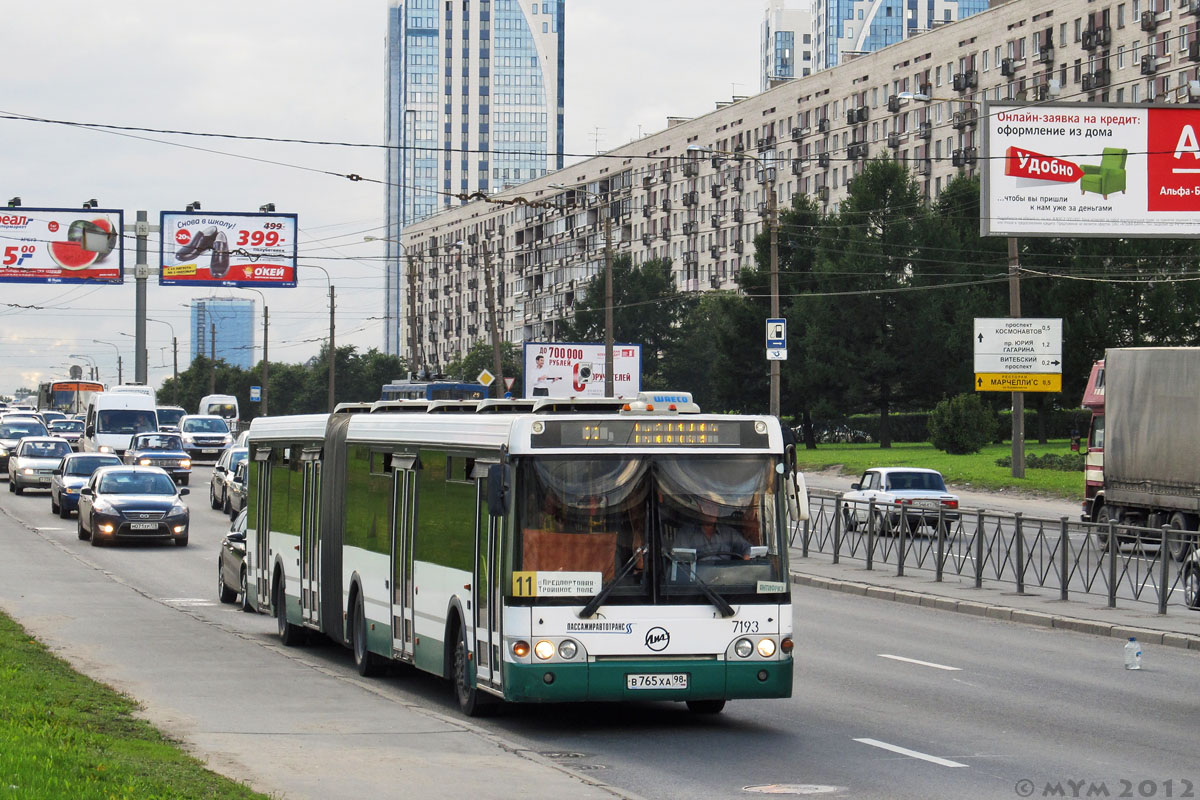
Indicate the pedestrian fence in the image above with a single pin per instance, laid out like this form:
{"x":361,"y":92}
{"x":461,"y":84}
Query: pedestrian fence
{"x":1122,"y":563}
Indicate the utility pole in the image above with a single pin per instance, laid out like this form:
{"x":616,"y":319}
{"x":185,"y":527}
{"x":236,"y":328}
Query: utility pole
{"x":266,"y":361}
{"x":772,"y":221}
{"x":141,"y":272}
{"x":175,"y":371}
{"x":608,"y":306}
{"x":120,"y":371}
{"x":492,"y":323}
{"x":413,"y":363}
{"x":212,"y":371}
{"x":1018,"y":398}
{"x":332,"y":348}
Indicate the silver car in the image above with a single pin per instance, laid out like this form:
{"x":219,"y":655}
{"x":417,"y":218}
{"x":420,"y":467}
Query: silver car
{"x":32,"y":464}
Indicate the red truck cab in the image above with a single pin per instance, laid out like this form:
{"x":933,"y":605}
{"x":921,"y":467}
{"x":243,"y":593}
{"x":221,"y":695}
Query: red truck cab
{"x":1093,"y":465}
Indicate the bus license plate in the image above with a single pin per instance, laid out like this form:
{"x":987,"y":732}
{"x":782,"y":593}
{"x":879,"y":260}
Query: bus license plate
{"x":665,"y":680}
{"x":143,"y":526}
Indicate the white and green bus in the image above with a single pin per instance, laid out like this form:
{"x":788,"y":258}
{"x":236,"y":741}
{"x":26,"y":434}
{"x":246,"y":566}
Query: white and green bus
{"x":543,"y":552}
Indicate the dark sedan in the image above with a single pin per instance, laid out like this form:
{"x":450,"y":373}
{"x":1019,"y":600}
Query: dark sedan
{"x":161,"y":450}
{"x":132,"y":503}
{"x":69,"y":429}
{"x":231,"y":565}
{"x":71,"y":475}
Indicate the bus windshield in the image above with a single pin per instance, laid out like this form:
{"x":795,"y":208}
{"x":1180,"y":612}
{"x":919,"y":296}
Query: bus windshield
{"x":125,"y":420}
{"x":661,"y":528}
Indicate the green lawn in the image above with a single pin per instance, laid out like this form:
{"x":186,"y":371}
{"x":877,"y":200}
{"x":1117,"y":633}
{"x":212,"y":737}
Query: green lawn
{"x":977,"y":471}
{"x":64,"y":735}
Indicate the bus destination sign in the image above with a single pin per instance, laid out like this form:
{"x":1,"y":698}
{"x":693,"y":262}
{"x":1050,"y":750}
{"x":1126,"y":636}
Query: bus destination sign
{"x":674,"y":432}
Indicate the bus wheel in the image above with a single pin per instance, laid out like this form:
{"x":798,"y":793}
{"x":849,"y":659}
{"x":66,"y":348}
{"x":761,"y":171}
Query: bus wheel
{"x":291,"y":635}
{"x":470,"y":702}
{"x":705,"y":706}
{"x":364,"y":660}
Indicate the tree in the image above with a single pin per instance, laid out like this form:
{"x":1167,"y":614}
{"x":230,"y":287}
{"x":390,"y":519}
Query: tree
{"x":479,"y":358}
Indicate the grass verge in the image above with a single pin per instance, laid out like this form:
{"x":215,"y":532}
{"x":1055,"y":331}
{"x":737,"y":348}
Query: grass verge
{"x":64,"y":735}
{"x":976,"y":471}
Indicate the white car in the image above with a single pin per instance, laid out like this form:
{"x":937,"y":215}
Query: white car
{"x":204,"y":436}
{"x":32,"y":464}
{"x":918,"y":495}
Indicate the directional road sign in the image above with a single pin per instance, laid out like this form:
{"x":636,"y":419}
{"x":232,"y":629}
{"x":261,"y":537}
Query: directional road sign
{"x":1018,"y":347}
{"x":776,"y":334}
{"x":1017,"y":382}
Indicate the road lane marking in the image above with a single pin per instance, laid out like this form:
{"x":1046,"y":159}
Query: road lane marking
{"x":921,"y":663}
{"x":904,"y":751}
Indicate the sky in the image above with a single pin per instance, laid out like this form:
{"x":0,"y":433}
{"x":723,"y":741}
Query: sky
{"x":274,"y":68}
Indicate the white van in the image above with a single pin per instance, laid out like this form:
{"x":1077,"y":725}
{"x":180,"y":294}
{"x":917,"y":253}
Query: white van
{"x":136,"y":388}
{"x":221,"y":405}
{"x":113,"y":418}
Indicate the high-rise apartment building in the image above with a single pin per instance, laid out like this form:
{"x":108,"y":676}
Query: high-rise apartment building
{"x":843,"y":29}
{"x":474,"y":104}
{"x":234,"y":321}
{"x":786,"y":48}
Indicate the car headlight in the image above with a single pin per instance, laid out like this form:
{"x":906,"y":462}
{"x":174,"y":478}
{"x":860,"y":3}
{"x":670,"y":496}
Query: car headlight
{"x":186,"y":463}
{"x":3,"y":451}
{"x":105,"y":449}
{"x":145,"y":462}
{"x":27,"y":471}
{"x":178,"y":508}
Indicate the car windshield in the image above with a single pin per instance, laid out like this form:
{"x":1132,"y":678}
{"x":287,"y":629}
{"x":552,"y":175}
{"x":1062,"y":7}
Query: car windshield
{"x":170,"y":417}
{"x":51,"y":416}
{"x":125,"y":420}
{"x":45,"y":449}
{"x":136,"y":483}
{"x":205,"y":425}
{"x":86,"y":465}
{"x":915,"y":481}
{"x":21,"y":428}
{"x":680,"y":523}
{"x":157,"y":441}
{"x":66,"y":426}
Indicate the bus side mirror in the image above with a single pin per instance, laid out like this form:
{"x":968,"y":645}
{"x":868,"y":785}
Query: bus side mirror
{"x":499,"y":483}
{"x":796,"y":492}
{"x":91,"y":430}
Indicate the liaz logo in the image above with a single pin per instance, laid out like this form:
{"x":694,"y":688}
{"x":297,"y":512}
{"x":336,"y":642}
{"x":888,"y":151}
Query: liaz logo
{"x":657,"y":639}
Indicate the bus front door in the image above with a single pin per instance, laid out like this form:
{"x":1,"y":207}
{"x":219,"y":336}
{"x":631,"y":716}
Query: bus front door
{"x":261,"y":568}
{"x":488,"y":591}
{"x":404,"y":507}
{"x":310,"y":550}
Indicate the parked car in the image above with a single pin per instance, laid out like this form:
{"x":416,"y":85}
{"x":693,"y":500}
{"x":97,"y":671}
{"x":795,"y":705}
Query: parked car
{"x":161,"y":450}
{"x":71,"y":475}
{"x":69,"y":429}
{"x":917,"y":495}
{"x":204,"y":435}
{"x":218,"y":485}
{"x":231,"y":565}
{"x":133,"y":503}
{"x":168,"y":418}
{"x":33,"y":461}
{"x":235,"y":499}
{"x":14,"y":428}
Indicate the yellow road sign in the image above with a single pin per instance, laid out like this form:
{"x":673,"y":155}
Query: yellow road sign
{"x":1017,"y":382}
{"x":486,"y":378}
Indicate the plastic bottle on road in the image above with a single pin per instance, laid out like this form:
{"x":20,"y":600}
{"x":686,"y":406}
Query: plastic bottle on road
{"x":1133,"y":654}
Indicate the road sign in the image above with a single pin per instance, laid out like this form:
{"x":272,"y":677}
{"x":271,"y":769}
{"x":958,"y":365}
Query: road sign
{"x":255,"y":394}
{"x":776,"y":354}
{"x":1018,"y":345}
{"x":486,"y":378}
{"x":1017,"y":382}
{"x":508,"y":383}
{"x":776,"y":336}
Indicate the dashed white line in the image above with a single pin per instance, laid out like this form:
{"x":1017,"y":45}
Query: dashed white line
{"x":904,"y":751}
{"x":921,"y":663}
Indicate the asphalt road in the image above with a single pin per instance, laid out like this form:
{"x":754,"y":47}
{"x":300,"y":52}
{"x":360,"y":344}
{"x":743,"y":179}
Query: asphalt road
{"x":1017,"y":703}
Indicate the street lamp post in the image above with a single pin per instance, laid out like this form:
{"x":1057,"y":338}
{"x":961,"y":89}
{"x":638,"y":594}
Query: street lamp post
{"x":412,"y":300}
{"x":91,"y":364}
{"x":609,"y":390}
{"x":332,"y":345}
{"x":175,"y":355}
{"x":773,"y":230}
{"x":120,"y":367}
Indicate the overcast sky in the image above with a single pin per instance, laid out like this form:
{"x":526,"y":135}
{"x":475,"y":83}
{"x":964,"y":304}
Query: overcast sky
{"x":294,"y":68}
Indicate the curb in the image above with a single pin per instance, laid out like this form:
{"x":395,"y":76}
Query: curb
{"x":1007,"y":613}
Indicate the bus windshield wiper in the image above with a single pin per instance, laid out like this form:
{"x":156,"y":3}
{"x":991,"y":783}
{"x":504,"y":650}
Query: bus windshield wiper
{"x":604,"y":592}
{"x":717,"y":600}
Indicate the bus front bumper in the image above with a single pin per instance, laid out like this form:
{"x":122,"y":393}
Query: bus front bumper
{"x":556,"y":682}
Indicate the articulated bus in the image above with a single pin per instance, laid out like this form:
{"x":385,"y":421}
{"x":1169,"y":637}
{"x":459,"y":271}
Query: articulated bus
{"x":433,"y":390}
{"x":69,"y":396}
{"x":534,"y":552}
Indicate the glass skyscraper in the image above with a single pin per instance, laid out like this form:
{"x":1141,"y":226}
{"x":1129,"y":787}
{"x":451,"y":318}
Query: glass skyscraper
{"x":844,"y":28}
{"x":474,"y":104}
{"x":234,"y":320}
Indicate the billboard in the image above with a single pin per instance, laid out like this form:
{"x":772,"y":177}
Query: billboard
{"x":559,"y":369}
{"x":61,"y":245}
{"x":227,"y":249}
{"x":1087,"y":169}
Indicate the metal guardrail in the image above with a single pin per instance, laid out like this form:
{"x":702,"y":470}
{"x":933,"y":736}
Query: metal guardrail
{"x":1119,"y":562}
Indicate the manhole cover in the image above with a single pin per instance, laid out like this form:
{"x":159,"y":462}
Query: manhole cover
{"x":793,"y":788}
{"x":557,"y":754}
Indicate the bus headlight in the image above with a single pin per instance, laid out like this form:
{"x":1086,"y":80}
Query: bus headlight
{"x":544,"y":649}
{"x":743,"y":647}
{"x":520,"y":649}
{"x":567,"y":649}
{"x":766,"y":647}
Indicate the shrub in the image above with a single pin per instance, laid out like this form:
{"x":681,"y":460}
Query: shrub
{"x":961,"y":425}
{"x":1065,"y":462}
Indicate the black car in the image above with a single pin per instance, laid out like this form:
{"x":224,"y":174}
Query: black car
{"x":132,"y":503}
{"x":231,"y":565}
{"x":161,"y":450}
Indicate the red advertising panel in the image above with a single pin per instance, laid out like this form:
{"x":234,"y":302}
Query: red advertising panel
{"x":61,"y":245}
{"x":1173,"y":160}
{"x":227,"y":249}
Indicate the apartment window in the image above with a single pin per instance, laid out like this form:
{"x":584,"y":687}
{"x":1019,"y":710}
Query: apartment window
{"x":1078,"y":29}
{"x":1121,"y":16}
{"x":1062,"y":35}
{"x":1121,"y":56}
{"x":985,"y":60}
